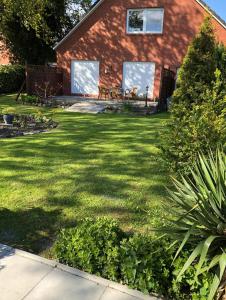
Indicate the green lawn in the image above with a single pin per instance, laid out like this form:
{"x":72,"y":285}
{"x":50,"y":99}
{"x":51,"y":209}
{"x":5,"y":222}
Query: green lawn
{"x":91,"y":165}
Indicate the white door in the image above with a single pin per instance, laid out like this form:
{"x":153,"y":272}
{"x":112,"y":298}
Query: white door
{"x":85,"y":77}
{"x":140,"y":75}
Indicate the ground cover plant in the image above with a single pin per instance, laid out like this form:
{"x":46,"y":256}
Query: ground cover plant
{"x":90,"y":165}
{"x":142,"y":261}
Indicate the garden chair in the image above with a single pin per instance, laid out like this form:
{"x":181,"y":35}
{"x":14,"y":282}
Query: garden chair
{"x":131,"y":94}
{"x":103,"y":92}
{"x":117,"y":93}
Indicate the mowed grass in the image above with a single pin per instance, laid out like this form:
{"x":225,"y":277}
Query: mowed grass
{"x":90,"y":166}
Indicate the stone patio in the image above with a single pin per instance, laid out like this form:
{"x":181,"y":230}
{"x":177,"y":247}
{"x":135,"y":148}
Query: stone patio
{"x":95,"y":106}
{"x":87,"y":107}
{"x":30,"y":277}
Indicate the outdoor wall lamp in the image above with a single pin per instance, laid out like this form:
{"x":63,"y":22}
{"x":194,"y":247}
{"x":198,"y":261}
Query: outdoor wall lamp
{"x":146,"y":99}
{"x":108,"y":70}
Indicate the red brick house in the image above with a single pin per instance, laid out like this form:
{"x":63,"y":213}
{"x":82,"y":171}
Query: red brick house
{"x":4,"y":54}
{"x":130,"y":43}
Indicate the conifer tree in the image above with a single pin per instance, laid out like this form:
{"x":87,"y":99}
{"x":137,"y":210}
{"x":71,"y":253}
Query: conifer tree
{"x":197,"y":112}
{"x":197,"y":72}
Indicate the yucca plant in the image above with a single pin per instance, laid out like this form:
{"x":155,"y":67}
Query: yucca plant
{"x":198,"y":207}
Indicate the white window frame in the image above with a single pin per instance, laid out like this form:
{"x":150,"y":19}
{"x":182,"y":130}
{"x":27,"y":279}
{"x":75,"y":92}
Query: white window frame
{"x":145,"y":21}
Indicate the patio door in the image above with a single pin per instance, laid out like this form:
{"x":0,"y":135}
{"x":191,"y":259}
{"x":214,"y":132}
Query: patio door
{"x":140,"y":75}
{"x":85,"y":77}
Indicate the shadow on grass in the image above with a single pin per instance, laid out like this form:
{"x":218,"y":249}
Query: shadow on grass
{"x":91,"y":165}
{"x":31,"y":230}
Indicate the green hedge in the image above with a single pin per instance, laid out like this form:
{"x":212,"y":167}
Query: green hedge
{"x":11,"y":78}
{"x":142,"y":262}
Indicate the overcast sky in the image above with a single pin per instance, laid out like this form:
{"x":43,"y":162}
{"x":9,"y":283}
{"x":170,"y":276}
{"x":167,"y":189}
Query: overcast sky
{"x":219,"y":6}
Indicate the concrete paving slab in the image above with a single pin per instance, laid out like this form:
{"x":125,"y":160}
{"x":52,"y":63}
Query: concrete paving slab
{"x":111,"y":294}
{"x":60,"y":285}
{"x":87,"y":107}
{"x":18,"y":275}
{"x":24,"y":276}
{"x":75,"y":99}
{"x":92,"y":106}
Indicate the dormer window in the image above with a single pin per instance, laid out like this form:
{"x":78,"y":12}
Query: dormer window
{"x":145,"y":20}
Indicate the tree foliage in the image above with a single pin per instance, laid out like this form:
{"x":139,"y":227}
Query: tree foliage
{"x":198,"y":107}
{"x":31,"y":28}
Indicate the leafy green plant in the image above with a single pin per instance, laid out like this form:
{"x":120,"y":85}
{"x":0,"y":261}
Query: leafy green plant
{"x":11,"y":78}
{"x":188,"y":287}
{"x":127,"y":107}
{"x":199,"y":208}
{"x":91,"y":246}
{"x":145,"y":263}
{"x":30,"y":99}
{"x":142,"y":261}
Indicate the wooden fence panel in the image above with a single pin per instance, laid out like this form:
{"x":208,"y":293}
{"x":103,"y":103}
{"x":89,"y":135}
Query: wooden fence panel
{"x":40,"y":79}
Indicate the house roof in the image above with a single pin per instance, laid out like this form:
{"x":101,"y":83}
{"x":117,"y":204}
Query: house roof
{"x":212,"y":12}
{"x":99,"y":2}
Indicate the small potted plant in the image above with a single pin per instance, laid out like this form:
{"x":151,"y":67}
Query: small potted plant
{"x":8,"y":115}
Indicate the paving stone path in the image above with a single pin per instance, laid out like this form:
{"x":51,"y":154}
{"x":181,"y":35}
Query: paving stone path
{"x":25,"y":276}
{"x":87,"y":107}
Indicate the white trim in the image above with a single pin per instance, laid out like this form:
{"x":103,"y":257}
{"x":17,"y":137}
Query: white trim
{"x":79,"y":23}
{"x":145,"y":20}
{"x":101,"y":1}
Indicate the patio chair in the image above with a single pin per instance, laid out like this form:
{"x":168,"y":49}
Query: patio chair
{"x":103,"y":92}
{"x":131,"y":94}
{"x":117,"y":93}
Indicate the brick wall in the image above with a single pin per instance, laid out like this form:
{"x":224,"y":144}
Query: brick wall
{"x":4,"y":55}
{"x":103,"y":37}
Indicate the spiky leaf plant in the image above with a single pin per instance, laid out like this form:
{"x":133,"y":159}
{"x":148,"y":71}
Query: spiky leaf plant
{"x":198,"y":207}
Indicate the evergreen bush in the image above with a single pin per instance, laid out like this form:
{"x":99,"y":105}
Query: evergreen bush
{"x":11,"y":78}
{"x":198,"y":106}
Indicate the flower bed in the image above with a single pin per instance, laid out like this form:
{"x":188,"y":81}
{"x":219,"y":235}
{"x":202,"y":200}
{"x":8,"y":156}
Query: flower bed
{"x":26,"y":125}
{"x":132,"y":108}
{"x":142,"y":261}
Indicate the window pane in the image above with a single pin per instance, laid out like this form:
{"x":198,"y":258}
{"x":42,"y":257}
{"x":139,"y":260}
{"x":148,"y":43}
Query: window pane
{"x":136,"y":21}
{"x":154,"y":20}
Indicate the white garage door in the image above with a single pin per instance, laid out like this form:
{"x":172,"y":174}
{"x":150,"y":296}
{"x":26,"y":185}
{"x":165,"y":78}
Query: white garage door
{"x":84,"y":77}
{"x":140,"y":75}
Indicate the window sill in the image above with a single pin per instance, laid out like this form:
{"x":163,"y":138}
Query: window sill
{"x":144,"y":33}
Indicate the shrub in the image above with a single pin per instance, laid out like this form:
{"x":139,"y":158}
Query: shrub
{"x":11,"y":78}
{"x":188,"y":287}
{"x":145,"y":264}
{"x":199,"y":209}
{"x":197,"y":118}
{"x":141,"y":261}
{"x":29,"y":99}
{"x":92,"y":247}
{"x":127,"y":107}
